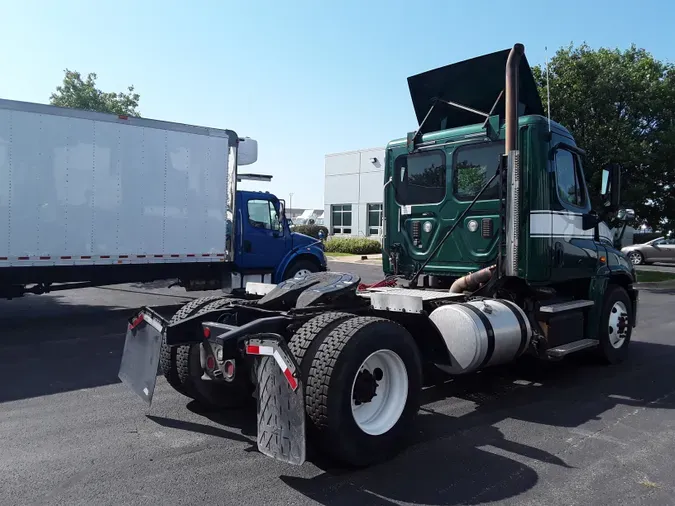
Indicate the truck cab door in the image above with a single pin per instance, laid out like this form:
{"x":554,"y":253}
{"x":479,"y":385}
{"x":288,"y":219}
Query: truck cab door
{"x":574,"y":247}
{"x":263,"y":241}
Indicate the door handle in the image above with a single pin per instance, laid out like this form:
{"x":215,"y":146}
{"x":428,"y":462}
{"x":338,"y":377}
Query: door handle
{"x":558,"y":256}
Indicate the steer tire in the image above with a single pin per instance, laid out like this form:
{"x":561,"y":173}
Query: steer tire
{"x":330,"y":383}
{"x":167,"y":355}
{"x":299,"y":265}
{"x":608,"y":353}
{"x":209,"y":393}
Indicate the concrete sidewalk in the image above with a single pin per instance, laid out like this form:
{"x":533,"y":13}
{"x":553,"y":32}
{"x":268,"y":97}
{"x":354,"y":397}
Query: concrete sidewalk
{"x":357,"y":259}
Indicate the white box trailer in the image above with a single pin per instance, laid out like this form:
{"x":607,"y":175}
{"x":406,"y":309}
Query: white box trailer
{"x":92,"y":190}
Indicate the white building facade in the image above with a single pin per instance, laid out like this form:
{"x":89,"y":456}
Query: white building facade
{"x":354,"y":183}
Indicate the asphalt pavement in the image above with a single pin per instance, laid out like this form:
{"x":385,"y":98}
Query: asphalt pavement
{"x":557,"y":434}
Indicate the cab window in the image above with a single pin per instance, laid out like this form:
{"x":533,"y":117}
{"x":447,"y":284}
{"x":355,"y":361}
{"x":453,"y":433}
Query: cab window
{"x":474,"y":165}
{"x":263,"y":214}
{"x":570,"y":179}
{"x":420,"y":178}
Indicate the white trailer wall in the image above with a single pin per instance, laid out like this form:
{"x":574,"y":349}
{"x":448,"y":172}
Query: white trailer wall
{"x":83,"y":187}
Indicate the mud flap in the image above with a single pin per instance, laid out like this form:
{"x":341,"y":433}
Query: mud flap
{"x":281,"y":406}
{"x":140,"y":358}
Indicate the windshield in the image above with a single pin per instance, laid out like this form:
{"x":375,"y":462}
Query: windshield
{"x":420,"y":178}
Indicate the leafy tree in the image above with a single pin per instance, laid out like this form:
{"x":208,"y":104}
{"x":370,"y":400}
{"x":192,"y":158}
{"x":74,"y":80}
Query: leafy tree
{"x":83,"y":94}
{"x":619,"y":105}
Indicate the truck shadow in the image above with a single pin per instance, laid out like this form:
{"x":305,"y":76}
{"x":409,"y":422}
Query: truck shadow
{"x":466,"y":459}
{"x":48,"y":346}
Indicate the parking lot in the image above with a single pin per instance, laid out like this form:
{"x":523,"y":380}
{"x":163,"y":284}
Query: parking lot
{"x":567,"y":433}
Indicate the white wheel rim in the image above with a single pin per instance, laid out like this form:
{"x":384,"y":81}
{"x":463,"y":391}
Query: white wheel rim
{"x":302,"y":273}
{"x":382,"y":412}
{"x":617,"y":327}
{"x":635,"y":258}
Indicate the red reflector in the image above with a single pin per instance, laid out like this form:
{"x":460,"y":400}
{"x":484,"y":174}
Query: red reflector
{"x":207,"y":332}
{"x":253,"y":350}
{"x":85,"y":257}
{"x":210,"y":363}
{"x":123,"y":116}
{"x":4,"y":258}
{"x":66,"y":258}
{"x":45,"y":258}
{"x":190,"y":255}
{"x":105,"y":256}
{"x":124,"y":256}
{"x":137,"y":321}
{"x":291,"y":380}
{"x":175,"y":256}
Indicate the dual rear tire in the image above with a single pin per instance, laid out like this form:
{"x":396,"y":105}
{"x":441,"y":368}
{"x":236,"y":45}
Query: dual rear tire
{"x":363,"y":380}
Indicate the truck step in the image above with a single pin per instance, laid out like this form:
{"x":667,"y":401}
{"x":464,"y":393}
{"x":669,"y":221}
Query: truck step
{"x":566,"y":349}
{"x":565,"y":306}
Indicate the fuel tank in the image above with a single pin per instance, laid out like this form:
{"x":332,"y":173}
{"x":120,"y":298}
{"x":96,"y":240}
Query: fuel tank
{"x":481,"y":333}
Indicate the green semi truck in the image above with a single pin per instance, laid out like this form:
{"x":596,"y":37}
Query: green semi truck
{"x":491,"y":250}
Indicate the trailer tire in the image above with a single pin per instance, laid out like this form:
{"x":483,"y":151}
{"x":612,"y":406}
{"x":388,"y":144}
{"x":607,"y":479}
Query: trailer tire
{"x":299,"y":266}
{"x":342,"y":428}
{"x":167,"y":355}
{"x":616,"y":325}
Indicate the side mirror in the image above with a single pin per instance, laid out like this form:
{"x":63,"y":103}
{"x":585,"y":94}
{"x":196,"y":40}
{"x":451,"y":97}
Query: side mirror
{"x":625,"y":215}
{"x":610,"y":188}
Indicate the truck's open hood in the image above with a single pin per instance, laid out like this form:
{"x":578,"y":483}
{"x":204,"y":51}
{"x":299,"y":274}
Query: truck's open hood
{"x":474,"y":83}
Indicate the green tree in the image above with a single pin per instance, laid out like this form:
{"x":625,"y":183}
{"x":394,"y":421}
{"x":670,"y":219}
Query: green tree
{"x":619,"y":105}
{"x":78,"y":93}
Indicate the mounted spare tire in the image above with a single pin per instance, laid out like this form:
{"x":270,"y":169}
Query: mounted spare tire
{"x":363,"y":390}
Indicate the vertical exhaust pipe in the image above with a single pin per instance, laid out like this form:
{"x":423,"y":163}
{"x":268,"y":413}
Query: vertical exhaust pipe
{"x":513,"y":166}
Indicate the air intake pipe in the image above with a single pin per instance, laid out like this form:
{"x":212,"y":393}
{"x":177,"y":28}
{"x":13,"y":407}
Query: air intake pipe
{"x":512,"y":218}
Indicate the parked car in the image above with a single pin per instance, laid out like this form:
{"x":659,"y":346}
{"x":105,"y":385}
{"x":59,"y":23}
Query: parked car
{"x":656,"y":250}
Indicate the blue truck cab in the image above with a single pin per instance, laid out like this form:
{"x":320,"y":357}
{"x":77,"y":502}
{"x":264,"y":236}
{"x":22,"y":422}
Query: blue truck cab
{"x":265,"y":249}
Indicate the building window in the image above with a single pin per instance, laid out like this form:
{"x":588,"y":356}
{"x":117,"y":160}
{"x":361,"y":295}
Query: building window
{"x":569,"y":179}
{"x":375,"y":219}
{"x":341,"y":218}
{"x":420,"y":178}
{"x":474,"y":166}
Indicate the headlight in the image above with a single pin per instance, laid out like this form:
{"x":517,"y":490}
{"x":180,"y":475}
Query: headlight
{"x":472,"y":225}
{"x":427,"y":226}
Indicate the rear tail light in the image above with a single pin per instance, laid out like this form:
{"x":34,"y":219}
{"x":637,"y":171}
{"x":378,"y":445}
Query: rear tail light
{"x":210,"y":363}
{"x":229,"y":368}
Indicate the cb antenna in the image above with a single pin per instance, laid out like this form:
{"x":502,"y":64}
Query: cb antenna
{"x":548,"y":92}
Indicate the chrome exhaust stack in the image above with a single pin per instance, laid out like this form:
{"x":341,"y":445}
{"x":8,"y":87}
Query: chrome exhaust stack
{"x":513,"y":161}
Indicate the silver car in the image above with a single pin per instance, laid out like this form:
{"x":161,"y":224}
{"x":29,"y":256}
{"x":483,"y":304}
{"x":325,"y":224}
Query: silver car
{"x":656,"y":250}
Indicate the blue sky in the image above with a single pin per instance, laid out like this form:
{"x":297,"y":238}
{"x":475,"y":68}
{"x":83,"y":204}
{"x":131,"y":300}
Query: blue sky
{"x":304,"y":78}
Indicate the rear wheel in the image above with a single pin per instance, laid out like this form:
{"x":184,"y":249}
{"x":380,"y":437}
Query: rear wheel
{"x":215,"y":394}
{"x":167,"y":355}
{"x":363,"y":390}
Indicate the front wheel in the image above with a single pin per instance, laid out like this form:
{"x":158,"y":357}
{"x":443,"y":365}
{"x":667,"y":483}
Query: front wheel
{"x":300,"y":268}
{"x":363,"y":390}
{"x":616,"y":325}
{"x":636,"y":258}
